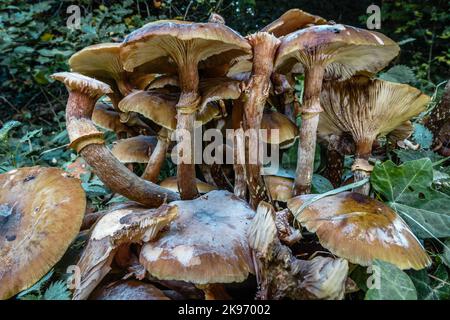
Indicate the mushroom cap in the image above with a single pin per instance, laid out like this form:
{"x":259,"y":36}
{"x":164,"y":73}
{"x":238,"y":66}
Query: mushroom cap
{"x":172,"y":184}
{"x":368,"y":108}
{"x":361,"y":229}
{"x":134,"y":150}
{"x":402,"y":132}
{"x":175,"y":39}
{"x":292,"y":20}
{"x":77,"y":82}
{"x":280,"y":188}
{"x":164,"y":81}
{"x":128,"y":290}
{"x":288,"y":131}
{"x":207,"y":243}
{"x":161,"y":108}
{"x":218,"y":89}
{"x":41,"y":213}
{"x":343,"y":50}
{"x":106,"y":117}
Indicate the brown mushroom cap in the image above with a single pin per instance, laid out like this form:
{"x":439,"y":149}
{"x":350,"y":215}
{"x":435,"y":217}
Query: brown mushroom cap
{"x":41,"y":213}
{"x":78,"y":82}
{"x":292,"y":20}
{"x":343,"y":50}
{"x":218,"y":89}
{"x":361,"y":229}
{"x":161,"y":108}
{"x":287,"y":133}
{"x":128,"y":290}
{"x":134,"y":150}
{"x":164,"y":81}
{"x":207,"y":243}
{"x":105,"y":117}
{"x":164,"y":38}
{"x":280,"y":188}
{"x":368,"y":108}
{"x":171,"y":184}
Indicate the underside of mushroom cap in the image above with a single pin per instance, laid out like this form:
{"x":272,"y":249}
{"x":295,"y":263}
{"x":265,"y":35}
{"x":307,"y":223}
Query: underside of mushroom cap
{"x":134,"y":150}
{"x":292,"y":20}
{"x":361,"y":229}
{"x":207,"y":243}
{"x":42,"y":210}
{"x":216,"y":89}
{"x":80,"y":83}
{"x":343,"y":50}
{"x":368,"y":108}
{"x":163,"y":38}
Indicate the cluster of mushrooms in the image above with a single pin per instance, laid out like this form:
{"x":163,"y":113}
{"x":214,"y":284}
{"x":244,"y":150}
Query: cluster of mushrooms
{"x":214,"y":224}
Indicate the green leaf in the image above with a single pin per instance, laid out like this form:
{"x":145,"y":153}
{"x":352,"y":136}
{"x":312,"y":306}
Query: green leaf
{"x":408,"y":188}
{"x":408,"y":155}
{"x":399,"y":73}
{"x":394,"y":284}
{"x":37,"y":287}
{"x":435,"y":287}
{"x":320,"y":184}
{"x":446,"y":255}
{"x":7,"y":127}
{"x":422,"y":136}
{"x":57,"y":291}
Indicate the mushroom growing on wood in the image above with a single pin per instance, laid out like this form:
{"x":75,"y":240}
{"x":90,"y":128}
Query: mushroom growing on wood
{"x":361,"y":229}
{"x":206,"y":245}
{"x":129,"y":224}
{"x":88,"y":141}
{"x":367,"y":109}
{"x":185,"y":45}
{"x":281,"y":275}
{"x":41,"y":210}
{"x":332,"y":52}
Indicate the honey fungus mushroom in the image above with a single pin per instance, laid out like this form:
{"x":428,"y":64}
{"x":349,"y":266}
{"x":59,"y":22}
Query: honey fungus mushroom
{"x":89,"y":142}
{"x":134,"y":150}
{"x":207,"y":244}
{"x":367,"y":109}
{"x":172,"y":184}
{"x":184,"y":45}
{"x":327,"y":52}
{"x":361,"y":229}
{"x":41,"y":213}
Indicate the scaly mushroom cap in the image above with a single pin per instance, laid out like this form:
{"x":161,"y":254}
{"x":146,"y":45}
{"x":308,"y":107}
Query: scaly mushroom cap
{"x":161,"y":108}
{"x":134,"y":150}
{"x":280,"y":188}
{"x":41,"y":210}
{"x":171,"y":184}
{"x":129,"y":223}
{"x":218,"y":89}
{"x":207,"y":243}
{"x":107,"y":118}
{"x":128,"y":290}
{"x":80,"y":83}
{"x":361,"y":229}
{"x":368,"y":108}
{"x":174,"y":39}
{"x":343,"y":50}
{"x":292,"y":20}
{"x":287,"y":133}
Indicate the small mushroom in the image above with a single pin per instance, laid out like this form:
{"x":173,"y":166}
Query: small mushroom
{"x":128,"y":290}
{"x":41,"y":210}
{"x":280,"y":188}
{"x":184,"y":45}
{"x":106,"y":117}
{"x":286,"y":129}
{"x":134,"y":150}
{"x":88,"y":141}
{"x":129,"y":224}
{"x":332,"y":52}
{"x":172,"y":184}
{"x":367,"y":109}
{"x":206,"y":245}
{"x":361,"y":229}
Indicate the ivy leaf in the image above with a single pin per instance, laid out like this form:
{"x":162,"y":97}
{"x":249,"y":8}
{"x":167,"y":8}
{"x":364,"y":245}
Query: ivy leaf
{"x":399,"y":73}
{"x":436,"y":287}
{"x":422,"y":136}
{"x":320,"y":184}
{"x":407,"y":155}
{"x":446,"y":254}
{"x":57,"y":291}
{"x":394,"y":284}
{"x":408,"y":189}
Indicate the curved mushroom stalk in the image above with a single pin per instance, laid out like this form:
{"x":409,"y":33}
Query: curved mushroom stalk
{"x":281,"y":275}
{"x":264,"y":47}
{"x":89,"y":142}
{"x":116,"y":228}
{"x":156,"y":161}
{"x":361,"y":170}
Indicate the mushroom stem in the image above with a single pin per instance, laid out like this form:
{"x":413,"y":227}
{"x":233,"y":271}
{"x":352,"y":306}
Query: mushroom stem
{"x":361,"y":167}
{"x":264,"y":46}
{"x":156,"y":161}
{"x":109,"y":170}
{"x":186,"y":111}
{"x":240,"y":186}
{"x":308,"y":130}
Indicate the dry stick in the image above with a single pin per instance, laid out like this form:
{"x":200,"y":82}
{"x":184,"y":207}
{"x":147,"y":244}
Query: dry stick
{"x":113,"y":173}
{"x":264,"y":47}
{"x":308,"y":130}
